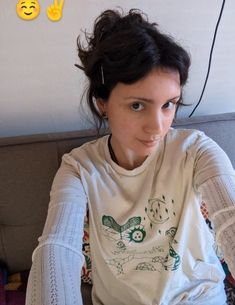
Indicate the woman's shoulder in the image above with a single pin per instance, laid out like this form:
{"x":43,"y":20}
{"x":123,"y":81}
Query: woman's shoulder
{"x":195,"y":142}
{"x":186,"y":135}
{"x":190,"y":140}
{"x":90,"y":145}
{"x":88,"y":151}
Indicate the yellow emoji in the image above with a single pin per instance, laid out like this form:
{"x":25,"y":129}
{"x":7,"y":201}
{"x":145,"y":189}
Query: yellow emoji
{"x":55,"y":10}
{"x":28,"y":10}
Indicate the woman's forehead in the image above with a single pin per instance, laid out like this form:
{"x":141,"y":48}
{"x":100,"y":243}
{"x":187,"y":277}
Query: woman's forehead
{"x":161,"y":81}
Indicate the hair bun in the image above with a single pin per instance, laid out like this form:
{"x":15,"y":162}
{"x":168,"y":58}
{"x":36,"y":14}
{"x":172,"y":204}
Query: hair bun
{"x":104,"y":26}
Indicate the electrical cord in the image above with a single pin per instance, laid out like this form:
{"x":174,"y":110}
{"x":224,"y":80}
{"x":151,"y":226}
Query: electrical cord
{"x":210,"y":58}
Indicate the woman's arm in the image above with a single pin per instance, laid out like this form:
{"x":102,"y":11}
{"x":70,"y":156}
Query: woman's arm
{"x":219,"y":195}
{"x":214,"y":178}
{"x":57,"y":261}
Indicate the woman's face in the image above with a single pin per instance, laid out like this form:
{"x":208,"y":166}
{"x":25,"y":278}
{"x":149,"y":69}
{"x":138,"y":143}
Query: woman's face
{"x":141,"y":114}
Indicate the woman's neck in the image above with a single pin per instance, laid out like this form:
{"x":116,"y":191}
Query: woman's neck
{"x":125,"y":159}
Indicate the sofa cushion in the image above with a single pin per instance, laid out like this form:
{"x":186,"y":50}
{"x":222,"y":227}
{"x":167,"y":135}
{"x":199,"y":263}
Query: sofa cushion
{"x":26,"y":175}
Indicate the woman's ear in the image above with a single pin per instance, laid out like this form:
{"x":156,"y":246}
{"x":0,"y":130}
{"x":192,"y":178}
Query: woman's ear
{"x":101,"y":104}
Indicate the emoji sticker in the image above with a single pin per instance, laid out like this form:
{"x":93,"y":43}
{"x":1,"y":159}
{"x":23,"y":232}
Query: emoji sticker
{"x":28,"y":10}
{"x":55,"y":10}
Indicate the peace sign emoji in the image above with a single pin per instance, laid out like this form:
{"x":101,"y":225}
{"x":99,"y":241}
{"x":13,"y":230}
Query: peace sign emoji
{"x":54,"y":11}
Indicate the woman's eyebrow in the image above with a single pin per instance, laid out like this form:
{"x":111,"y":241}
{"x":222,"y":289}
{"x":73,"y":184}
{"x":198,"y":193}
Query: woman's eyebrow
{"x":140,"y":98}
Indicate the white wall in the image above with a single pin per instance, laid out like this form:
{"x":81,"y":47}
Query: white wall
{"x":40,"y":89}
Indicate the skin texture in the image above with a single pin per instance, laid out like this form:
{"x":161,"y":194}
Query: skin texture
{"x":141,"y":114}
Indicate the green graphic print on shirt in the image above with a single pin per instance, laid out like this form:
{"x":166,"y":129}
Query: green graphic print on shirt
{"x":132,"y":227}
{"x":159,"y":210}
{"x":124,"y":239}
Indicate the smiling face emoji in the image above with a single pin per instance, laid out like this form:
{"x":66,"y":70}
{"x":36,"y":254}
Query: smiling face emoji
{"x":28,"y":10}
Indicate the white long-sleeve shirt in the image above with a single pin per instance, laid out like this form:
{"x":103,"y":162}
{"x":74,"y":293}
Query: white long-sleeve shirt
{"x":149,"y":242}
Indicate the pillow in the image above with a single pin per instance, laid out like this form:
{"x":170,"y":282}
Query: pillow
{"x":12,"y":287}
{"x":86,"y":269}
{"x":3,"y":280}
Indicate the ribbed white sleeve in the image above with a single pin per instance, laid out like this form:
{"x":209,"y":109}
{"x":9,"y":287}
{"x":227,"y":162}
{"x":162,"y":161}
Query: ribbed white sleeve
{"x":55,"y":275}
{"x":219,"y":195}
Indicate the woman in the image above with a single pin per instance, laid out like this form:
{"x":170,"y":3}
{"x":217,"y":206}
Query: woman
{"x":142,"y":184}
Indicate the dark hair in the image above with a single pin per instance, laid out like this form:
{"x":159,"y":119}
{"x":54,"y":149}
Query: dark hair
{"x":125,"y":48}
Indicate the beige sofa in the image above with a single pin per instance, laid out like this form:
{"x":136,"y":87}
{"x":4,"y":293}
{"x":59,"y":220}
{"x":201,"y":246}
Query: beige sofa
{"x":28,"y":165}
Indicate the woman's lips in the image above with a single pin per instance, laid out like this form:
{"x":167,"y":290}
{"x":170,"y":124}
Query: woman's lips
{"x":149,"y":143}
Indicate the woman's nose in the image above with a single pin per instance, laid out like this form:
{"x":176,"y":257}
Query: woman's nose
{"x":154,"y":123}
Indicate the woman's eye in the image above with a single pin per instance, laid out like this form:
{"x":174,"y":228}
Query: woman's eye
{"x":169,"y":105}
{"x":137,"y":106}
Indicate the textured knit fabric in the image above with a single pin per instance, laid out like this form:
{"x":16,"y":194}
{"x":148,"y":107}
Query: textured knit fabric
{"x":219,"y":195}
{"x":55,"y":274}
{"x":148,"y":239}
